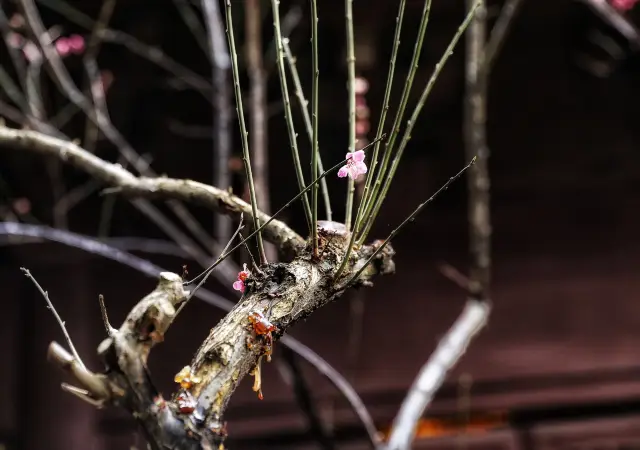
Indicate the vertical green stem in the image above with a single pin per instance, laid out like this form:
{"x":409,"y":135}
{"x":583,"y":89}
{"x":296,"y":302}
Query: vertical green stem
{"x":395,"y":130}
{"x":314,"y":120}
{"x":351,"y":88}
{"x":275,"y":5}
{"x":385,"y":108}
{"x":369,"y":219}
{"x":297,"y":84}
{"x":243,"y":129}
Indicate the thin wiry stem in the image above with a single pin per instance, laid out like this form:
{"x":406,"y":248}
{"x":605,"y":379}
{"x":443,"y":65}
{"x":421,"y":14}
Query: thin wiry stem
{"x":45,"y":294}
{"x":499,"y":31}
{"x":369,"y":219}
{"x":304,"y":107}
{"x":383,"y":114}
{"x":286,"y":205}
{"x":406,"y":91}
{"x":314,"y":122}
{"x":410,"y":218}
{"x":308,"y":212}
{"x":243,"y":129}
{"x":204,"y":279}
{"x":351,"y":89}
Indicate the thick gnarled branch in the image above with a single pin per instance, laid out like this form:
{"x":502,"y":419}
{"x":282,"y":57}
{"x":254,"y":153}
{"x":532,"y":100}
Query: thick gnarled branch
{"x":126,"y":183}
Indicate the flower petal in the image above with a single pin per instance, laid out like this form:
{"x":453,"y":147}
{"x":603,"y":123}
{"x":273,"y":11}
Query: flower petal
{"x":353,"y":171}
{"x":362,"y":167}
{"x":342,"y":172}
{"x":239,"y":285}
{"x":358,"y":156}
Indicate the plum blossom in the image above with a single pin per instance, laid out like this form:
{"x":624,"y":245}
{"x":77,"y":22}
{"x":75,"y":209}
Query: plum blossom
{"x":238,"y":285}
{"x":623,"y":5}
{"x":73,"y":44}
{"x":355,"y":165}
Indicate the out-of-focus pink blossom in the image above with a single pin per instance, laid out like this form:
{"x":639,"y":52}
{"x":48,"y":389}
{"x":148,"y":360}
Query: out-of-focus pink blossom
{"x":76,"y":43}
{"x":623,"y":5}
{"x":31,"y":52}
{"x":355,"y":165}
{"x":62,"y":46}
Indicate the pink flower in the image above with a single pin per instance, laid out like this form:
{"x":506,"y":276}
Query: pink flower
{"x":623,"y":5}
{"x":62,"y":46}
{"x":355,"y":165}
{"x":76,"y":43}
{"x":238,"y":285}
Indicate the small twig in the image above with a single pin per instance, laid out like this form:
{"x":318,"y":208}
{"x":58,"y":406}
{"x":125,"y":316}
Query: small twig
{"x":204,"y":279}
{"x":448,"y":352}
{"x":56,"y":315}
{"x":454,"y":275}
{"x":304,"y":107}
{"x":499,"y":32}
{"x":314,"y":123}
{"x":293,"y":142}
{"x":410,"y":218}
{"x":258,"y":109}
{"x":243,"y":128}
{"x":105,"y":318}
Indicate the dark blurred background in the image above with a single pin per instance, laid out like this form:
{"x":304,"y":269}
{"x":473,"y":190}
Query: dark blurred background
{"x":559,"y":364}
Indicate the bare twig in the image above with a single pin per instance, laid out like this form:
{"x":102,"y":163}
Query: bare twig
{"x":475,"y":117}
{"x":381,"y":245}
{"x":114,"y":175}
{"x":222,"y":139}
{"x":449,"y":350}
{"x":50,"y":306}
{"x":499,"y":31}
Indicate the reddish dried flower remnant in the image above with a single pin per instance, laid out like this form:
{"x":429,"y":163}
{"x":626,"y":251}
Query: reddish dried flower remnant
{"x":263,"y":328}
{"x":186,"y":402}
{"x":623,"y":5}
{"x":239,"y":285}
